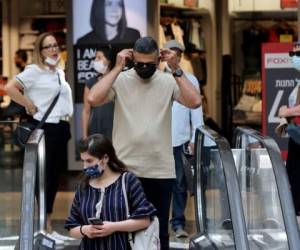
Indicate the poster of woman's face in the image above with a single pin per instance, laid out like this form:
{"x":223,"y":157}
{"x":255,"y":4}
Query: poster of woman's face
{"x":96,"y":23}
{"x":115,"y":24}
{"x":95,"y":17}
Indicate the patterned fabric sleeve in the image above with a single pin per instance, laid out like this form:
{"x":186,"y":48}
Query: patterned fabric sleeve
{"x":139,"y":206}
{"x":75,"y":218}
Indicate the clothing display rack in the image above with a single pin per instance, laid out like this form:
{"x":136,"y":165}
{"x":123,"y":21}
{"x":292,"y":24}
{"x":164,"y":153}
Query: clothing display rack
{"x":249,"y":32}
{"x":186,"y":29}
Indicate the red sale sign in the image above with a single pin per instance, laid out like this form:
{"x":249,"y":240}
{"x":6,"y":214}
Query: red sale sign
{"x":288,"y":4}
{"x":279,"y":78}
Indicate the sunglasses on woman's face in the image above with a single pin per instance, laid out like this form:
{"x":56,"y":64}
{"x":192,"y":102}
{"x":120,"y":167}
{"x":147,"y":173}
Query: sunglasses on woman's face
{"x":294,"y":53}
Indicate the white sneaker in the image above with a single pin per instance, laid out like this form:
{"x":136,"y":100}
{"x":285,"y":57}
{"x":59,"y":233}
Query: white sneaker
{"x":61,"y":236}
{"x":180,"y":233}
{"x":57,"y":241}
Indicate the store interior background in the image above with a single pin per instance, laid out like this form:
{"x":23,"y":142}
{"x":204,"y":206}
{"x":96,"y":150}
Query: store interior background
{"x":224,"y":25}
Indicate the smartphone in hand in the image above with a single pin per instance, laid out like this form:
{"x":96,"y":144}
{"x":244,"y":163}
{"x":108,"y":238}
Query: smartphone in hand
{"x":95,"y":221}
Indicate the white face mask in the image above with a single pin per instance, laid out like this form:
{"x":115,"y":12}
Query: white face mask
{"x":52,"y":62}
{"x":296,"y":62}
{"x":100,"y":67}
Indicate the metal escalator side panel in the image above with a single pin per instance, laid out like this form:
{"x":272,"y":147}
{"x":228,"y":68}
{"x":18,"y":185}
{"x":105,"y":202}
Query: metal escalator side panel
{"x":225,"y":162}
{"x":42,"y":176}
{"x":198,"y":197}
{"x":27,"y":213}
{"x":285,"y":196}
{"x":34,"y":158}
{"x":234,"y":195}
{"x":271,"y":181}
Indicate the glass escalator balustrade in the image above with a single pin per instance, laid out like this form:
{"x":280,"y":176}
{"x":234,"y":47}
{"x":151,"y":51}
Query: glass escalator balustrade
{"x":267,"y":211}
{"x":261,"y":203}
{"x":10,"y":187}
{"x":218,"y":217}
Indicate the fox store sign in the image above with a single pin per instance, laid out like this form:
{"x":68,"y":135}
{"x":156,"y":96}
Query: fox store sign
{"x":279,"y":78}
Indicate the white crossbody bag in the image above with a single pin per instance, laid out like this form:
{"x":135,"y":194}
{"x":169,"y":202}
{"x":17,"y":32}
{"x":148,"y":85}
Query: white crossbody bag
{"x":145,"y":239}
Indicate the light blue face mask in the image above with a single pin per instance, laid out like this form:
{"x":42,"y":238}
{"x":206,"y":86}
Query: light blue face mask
{"x":296,"y":62}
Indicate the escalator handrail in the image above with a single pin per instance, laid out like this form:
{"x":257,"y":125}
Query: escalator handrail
{"x":232,"y":184}
{"x":34,"y":156}
{"x":281,"y":177}
{"x":9,"y":122}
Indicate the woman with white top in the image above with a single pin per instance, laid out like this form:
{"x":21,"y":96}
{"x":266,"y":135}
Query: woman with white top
{"x":40,"y":82}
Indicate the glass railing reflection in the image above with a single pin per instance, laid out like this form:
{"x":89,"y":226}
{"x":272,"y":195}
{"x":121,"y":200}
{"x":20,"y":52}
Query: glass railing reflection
{"x":21,"y":218}
{"x":218,"y":221}
{"x":261,"y":203}
{"x":243,"y":198}
{"x":11,"y":161}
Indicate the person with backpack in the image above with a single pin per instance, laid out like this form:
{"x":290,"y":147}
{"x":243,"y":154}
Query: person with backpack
{"x":98,"y":214}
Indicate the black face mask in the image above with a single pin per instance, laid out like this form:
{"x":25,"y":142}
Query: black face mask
{"x":145,"y":70}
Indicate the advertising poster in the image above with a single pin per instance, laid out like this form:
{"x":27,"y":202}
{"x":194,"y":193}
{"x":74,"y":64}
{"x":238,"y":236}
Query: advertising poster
{"x":113,"y":24}
{"x":90,"y":31}
{"x":279,"y":79}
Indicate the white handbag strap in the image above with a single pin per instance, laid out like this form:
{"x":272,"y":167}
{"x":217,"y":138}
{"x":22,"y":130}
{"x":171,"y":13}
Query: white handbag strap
{"x":125,"y":195}
{"x":99,"y":204}
{"x":127,"y":207}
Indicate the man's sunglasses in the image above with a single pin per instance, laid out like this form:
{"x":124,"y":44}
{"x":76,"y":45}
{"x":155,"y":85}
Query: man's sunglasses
{"x":144,"y":65}
{"x":294,"y":53}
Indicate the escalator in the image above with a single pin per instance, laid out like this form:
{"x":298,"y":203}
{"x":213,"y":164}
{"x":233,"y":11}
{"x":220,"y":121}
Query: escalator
{"x":267,"y":203}
{"x":29,"y":231}
{"x":242,"y":196}
{"x":220,"y":218}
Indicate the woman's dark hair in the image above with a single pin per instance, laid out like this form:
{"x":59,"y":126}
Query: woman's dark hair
{"x":109,"y":54}
{"x":98,"y":145}
{"x":97,"y":19}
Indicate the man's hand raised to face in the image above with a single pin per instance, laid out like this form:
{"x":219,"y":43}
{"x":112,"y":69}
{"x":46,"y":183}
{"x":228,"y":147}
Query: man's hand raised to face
{"x":122,"y":57}
{"x":169,"y":56}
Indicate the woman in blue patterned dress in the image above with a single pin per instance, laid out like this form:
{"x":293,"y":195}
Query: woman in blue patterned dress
{"x":100,"y":196}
